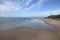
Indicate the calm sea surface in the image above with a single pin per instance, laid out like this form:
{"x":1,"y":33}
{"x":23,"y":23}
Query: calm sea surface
{"x":7,"y":23}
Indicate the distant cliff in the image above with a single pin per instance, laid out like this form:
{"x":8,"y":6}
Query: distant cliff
{"x":54,"y":16}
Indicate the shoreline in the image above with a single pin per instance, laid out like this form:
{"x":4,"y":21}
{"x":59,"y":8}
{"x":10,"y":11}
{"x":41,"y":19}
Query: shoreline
{"x":55,"y":24}
{"x":52,"y":22}
{"x":23,"y":33}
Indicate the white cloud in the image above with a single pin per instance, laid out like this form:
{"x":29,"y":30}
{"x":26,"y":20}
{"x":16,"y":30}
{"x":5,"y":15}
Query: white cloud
{"x":51,"y":12}
{"x":28,"y":2}
{"x":8,"y":6}
{"x":57,"y":11}
{"x":39,"y":3}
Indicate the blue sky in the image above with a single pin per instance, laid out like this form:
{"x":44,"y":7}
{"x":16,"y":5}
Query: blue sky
{"x":29,"y":8}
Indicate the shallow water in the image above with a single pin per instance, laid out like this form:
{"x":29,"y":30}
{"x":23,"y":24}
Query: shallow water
{"x":7,"y":23}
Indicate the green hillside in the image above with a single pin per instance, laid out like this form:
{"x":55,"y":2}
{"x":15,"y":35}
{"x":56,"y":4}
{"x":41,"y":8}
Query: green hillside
{"x":54,"y":16}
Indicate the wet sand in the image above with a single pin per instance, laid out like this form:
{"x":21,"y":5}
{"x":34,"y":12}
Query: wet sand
{"x":24,"y":33}
{"x":54,"y":23}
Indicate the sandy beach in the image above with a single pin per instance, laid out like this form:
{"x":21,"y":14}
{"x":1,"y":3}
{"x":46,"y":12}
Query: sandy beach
{"x":54,"y":23}
{"x":24,"y":33}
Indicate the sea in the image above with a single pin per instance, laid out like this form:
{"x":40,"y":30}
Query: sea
{"x":7,"y":23}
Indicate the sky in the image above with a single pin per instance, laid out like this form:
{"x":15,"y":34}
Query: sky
{"x":29,"y":8}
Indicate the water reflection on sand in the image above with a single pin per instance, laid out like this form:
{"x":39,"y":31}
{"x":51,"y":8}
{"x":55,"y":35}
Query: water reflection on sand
{"x":32,"y":23}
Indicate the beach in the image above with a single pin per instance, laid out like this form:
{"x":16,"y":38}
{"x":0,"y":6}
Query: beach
{"x":23,"y":33}
{"x":55,"y":23}
{"x":26,"y":33}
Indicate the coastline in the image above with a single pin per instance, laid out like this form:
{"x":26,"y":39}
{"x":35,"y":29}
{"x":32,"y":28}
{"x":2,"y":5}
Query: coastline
{"x":23,"y":33}
{"x":55,"y":24}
